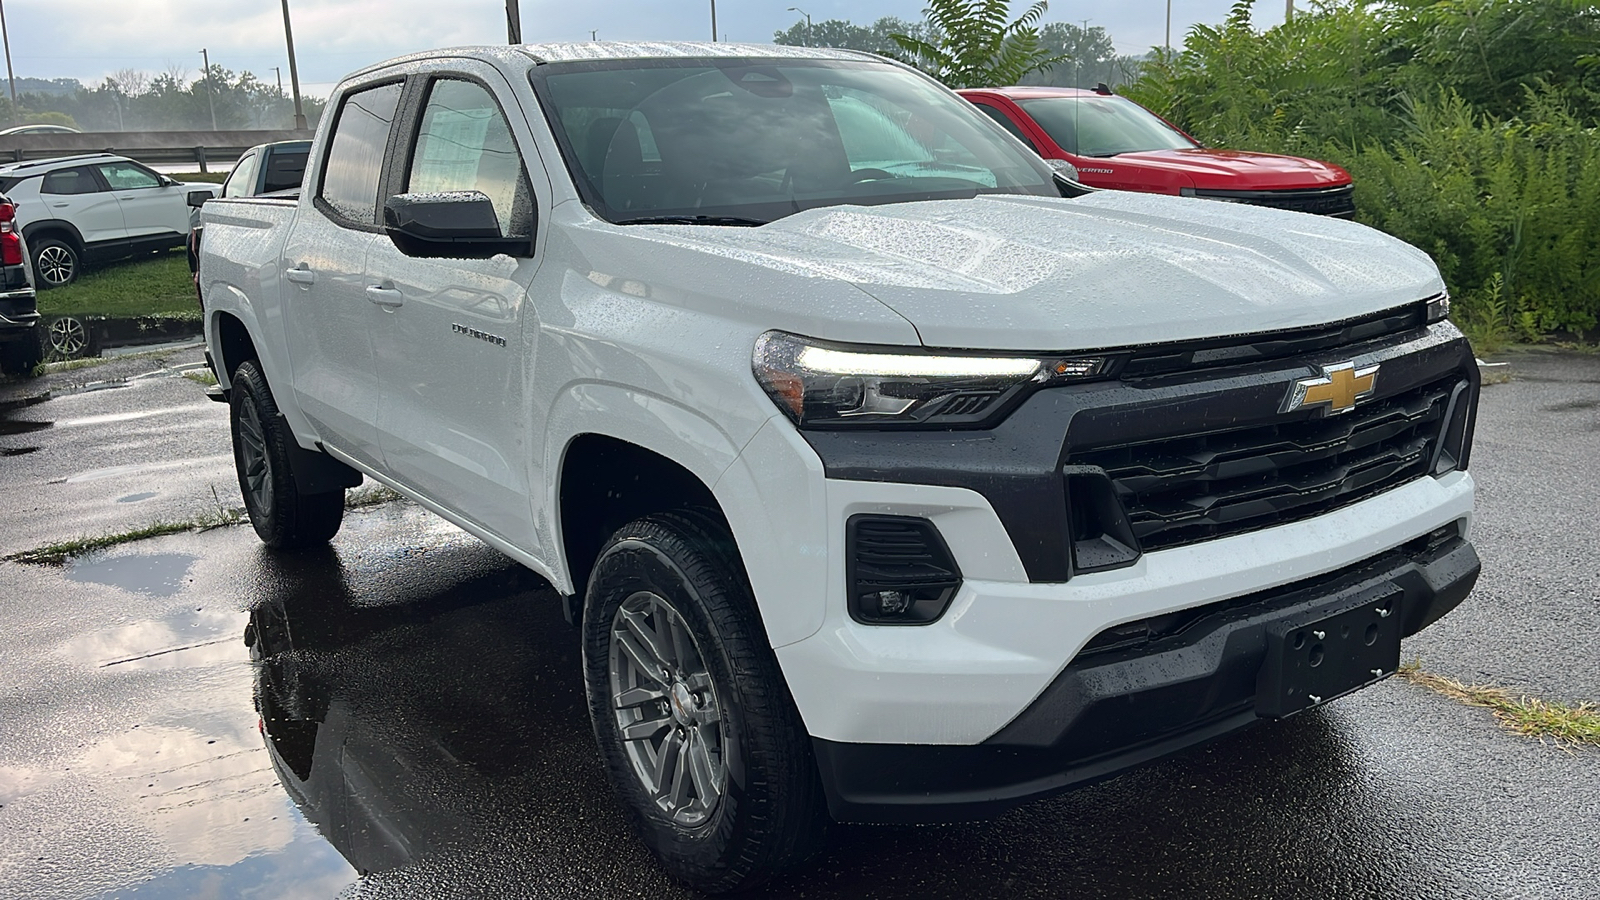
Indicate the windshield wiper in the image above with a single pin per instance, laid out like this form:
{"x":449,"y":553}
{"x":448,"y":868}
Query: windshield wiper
{"x":693,"y":220}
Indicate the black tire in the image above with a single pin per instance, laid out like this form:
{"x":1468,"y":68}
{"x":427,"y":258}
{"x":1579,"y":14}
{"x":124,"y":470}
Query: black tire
{"x":21,"y":356}
{"x":283,"y":518}
{"x":56,"y":263}
{"x":770,"y":812}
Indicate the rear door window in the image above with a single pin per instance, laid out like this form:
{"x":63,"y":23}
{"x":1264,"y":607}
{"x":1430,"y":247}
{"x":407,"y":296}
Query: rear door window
{"x":70,"y":181}
{"x":355,"y":156}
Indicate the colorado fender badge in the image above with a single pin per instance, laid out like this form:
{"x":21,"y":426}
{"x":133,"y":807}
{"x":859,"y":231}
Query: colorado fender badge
{"x":1339,"y":389}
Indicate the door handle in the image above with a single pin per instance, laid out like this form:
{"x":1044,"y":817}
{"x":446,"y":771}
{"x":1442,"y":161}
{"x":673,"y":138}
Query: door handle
{"x":61,"y":205}
{"x":301,"y":275}
{"x":387,"y":297}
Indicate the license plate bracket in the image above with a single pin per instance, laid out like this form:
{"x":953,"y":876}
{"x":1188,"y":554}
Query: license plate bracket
{"x":1313,"y":659}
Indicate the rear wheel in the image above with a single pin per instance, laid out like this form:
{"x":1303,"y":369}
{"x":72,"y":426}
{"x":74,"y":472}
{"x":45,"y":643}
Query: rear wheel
{"x":283,"y":517}
{"x":703,"y":743}
{"x":55,"y":262}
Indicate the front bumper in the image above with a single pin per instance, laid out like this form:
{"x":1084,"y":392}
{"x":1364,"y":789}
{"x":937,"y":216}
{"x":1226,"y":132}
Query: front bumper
{"x":1109,"y":711}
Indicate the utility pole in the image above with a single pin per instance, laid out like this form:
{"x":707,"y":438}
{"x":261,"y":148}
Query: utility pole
{"x":1288,"y":10}
{"x":513,"y":22}
{"x":294,"y":73}
{"x":1169,"y":27}
{"x":594,"y":34}
{"x":808,"y":23}
{"x":11,"y":77}
{"x":713,"y":21}
{"x":278,"y":70}
{"x":209,"y":101}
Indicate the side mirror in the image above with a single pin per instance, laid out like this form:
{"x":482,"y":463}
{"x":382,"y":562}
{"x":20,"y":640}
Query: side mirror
{"x":198,"y":199}
{"x":448,"y":225}
{"x":1066,"y":178}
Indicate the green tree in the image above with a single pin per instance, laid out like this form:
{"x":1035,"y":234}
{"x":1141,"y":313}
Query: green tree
{"x":970,"y":43}
{"x":1090,"y":58}
{"x":844,"y":35}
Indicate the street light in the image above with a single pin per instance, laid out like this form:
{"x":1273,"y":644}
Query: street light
{"x":294,"y":73}
{"x":11,"y":77}
{"x":713,"y":21}
{"x":808,"y":22}
{"x":209,"y":101}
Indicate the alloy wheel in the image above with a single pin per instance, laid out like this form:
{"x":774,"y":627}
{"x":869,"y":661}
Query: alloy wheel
{"x":666,"y":709}
{"x":55,"y":265}
{"x":68,"y":336}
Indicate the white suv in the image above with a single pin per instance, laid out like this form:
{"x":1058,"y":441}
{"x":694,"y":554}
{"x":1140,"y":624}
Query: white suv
{"x":82,"y":209}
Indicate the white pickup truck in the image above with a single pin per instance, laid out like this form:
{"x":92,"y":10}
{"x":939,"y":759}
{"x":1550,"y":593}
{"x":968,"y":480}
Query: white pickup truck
{"x":887,"y":477}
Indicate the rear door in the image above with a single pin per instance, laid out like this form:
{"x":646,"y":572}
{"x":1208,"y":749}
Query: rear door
{"x":80,"y":197}
{"x":456,"y":337}
{"x":329,"y":317}
{"x":150,"y":207}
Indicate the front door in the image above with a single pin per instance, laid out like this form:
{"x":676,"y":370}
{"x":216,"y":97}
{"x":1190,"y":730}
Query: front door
{"x":457,"y":337}
{"x":152,"y":210}
{"x":327,"y":311}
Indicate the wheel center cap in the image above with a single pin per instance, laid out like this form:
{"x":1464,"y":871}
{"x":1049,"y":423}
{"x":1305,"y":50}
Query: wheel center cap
{"x":682,"y":703}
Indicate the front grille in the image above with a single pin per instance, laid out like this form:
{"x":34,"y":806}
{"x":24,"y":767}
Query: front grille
{"x":1339,"y":202}
{"x":1189,"y":488}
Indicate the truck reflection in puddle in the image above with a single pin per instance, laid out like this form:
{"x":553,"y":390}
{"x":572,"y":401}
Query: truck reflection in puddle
{"x":440,"y":723}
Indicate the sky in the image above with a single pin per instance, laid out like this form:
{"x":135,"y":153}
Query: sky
{"x":90,"y":39}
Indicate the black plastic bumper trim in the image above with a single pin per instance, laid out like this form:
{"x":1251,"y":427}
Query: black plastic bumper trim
{"x":1115,"y":710}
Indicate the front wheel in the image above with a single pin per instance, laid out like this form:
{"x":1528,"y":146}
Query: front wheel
{"x":283,"y":517}
{"x":701,"y":738}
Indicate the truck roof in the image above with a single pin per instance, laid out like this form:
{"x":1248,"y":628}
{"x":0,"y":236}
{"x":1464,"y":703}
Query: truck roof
{"x":570,"y":51}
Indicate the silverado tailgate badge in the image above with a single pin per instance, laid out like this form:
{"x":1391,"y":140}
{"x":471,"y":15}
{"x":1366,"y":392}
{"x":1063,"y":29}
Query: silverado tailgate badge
{"x":1339,"y":388}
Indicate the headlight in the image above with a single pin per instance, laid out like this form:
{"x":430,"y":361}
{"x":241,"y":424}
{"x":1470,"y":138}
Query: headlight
{"x":1438,"y":308}
{"x":818,"y":384}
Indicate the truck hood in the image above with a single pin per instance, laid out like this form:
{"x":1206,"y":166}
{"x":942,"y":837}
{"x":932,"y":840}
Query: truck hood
{"x":1234,"y":169}
{"x":1110,"y":269}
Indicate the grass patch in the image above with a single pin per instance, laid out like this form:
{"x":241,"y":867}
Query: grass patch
{"x":60,"y":552}
{"x":373,"y":494}
{"x":1568,"y":727}
{"x":201,"y":377}
{"x":156,"y":286}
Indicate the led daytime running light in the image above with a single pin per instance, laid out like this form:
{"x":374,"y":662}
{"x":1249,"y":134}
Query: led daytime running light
{"x":843,"y":362}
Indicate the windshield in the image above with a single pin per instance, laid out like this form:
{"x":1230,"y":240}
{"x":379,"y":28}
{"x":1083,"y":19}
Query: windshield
{"x":742,"y":141}
{"x":1103,"y":126}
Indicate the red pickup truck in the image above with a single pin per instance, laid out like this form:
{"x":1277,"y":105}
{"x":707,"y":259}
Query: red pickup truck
{"x":1116,"y":143}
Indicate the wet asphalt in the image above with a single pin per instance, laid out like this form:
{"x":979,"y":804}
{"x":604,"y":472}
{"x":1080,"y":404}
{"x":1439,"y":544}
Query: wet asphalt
{"x":401,"y":715}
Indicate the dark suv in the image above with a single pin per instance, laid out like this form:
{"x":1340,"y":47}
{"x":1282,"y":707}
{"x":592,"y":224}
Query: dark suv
{"x":19,"y":317}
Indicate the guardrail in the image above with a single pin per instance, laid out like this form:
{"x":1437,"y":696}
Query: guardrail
{"x":198,"y":147}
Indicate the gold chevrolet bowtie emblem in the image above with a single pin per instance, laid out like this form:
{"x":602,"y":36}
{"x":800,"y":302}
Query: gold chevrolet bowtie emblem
{"x":1339,"y":388}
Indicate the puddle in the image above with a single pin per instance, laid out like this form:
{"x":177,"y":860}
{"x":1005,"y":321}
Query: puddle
{"x":183,"y":638}
{"x":114,"y":418}
{"x":135,"y":498}
{"x":159,"y":575}
{"x":119,"y":471}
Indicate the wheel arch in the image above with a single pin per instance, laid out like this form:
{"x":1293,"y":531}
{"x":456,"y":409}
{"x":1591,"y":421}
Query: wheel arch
{"x":56,"y":228}
{"x":605,"y":482}
{"x":231,"y":346}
